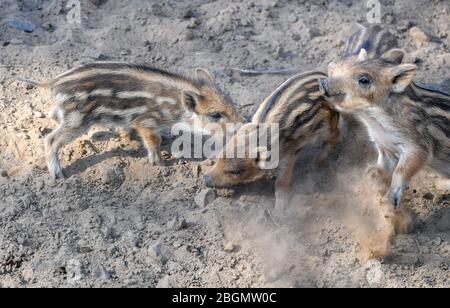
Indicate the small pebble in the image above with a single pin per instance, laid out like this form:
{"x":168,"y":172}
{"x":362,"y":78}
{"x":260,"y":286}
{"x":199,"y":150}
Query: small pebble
{"x":39,"y":115}
{"x":437,"y":241}
{"x":229,"y":247}
{"x":205,"y":197}
{"x":177,"y":224}
{"x":15,"y":41}
{"x":188,"y":14}
{"x":188,"y":36}
{"x":292,"y":18}
{"x":158,"y":252}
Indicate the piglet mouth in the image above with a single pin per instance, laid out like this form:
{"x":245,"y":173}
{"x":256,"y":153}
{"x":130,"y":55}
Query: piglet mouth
{"x":324,"y":87}
{"x":209,"y":182}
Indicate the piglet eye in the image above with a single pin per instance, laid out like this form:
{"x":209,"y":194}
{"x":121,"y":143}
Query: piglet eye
{"x":236,"y":172}
{"x":364,"y":81}
{"x":216,"y":116}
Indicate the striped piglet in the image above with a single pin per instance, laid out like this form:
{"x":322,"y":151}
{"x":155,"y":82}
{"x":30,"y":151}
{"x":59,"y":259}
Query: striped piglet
{"x":134,"y":97}
{"x":304,"y":118}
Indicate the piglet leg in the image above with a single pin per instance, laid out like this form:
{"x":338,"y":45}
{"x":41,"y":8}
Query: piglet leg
{"x":152,"y":142}
{"x":383,"y":171}
{"x":283,"y":182}
{"x":408,"y":166}
{"x":69,"y":130}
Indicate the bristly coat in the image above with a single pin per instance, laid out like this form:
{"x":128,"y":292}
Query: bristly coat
{"x":139,"y":97}
{"x":409,"y":124}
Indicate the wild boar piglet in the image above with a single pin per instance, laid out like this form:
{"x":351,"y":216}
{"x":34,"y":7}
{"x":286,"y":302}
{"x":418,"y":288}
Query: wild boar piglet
{"x":409,"y":124}
{"x":303,"y":117}
{"x":145,"y":99}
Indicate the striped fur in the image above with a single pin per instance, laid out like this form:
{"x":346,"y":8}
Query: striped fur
{"x":301,"y":115}
{"x":434,"y":107}
{"x":139,"y":97}
{"x":373,"y":39}
{"x":408,"y":123}
{"x":304,"y":117}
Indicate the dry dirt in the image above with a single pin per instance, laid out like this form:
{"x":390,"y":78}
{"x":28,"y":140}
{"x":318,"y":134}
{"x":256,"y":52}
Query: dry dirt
{"x":118,"y":222}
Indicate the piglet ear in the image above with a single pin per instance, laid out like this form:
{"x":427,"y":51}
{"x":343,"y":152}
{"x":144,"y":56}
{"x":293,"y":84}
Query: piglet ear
{"x":394,"y":55}
{"x":203,"y":74}
{"x":362,"y":55}
{"x":189,"y":100}
{"x":402,"y":76}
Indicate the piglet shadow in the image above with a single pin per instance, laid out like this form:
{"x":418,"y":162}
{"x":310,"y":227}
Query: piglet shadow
{"x":82,"y":164}
{"x":264,"y":188}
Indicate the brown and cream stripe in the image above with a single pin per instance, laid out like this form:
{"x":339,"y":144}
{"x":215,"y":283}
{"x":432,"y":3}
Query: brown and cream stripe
{"x":299,"y":109}
{"x":121,"y":85}
{"x":435,"y":106}
{"x":374,"y":39}
{"x":142,"y":98}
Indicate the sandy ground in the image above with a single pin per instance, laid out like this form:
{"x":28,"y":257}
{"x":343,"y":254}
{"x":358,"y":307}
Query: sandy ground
{"x":118,"y":222}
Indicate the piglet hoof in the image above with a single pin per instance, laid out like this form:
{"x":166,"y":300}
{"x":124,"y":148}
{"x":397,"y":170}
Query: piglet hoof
{"x":57,"y":174}
{"x":54,"y":177}
{"x":159,"y":163}
{"x":155,"y":160}
{"x":394,"y":196}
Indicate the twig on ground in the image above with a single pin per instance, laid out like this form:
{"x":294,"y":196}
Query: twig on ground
{"x":265,"y":71}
